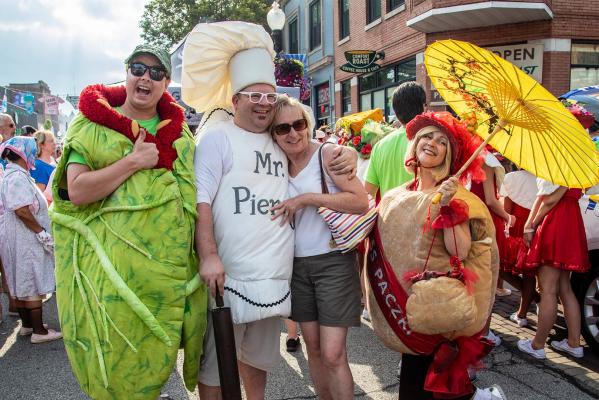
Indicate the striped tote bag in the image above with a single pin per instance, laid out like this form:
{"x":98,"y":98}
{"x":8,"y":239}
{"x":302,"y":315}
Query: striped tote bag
{"x":347,"y":230}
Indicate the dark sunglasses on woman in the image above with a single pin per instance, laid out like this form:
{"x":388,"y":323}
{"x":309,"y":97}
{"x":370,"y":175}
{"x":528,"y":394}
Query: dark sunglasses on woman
{"x":139,"y":69}
{"x":284,"y":129}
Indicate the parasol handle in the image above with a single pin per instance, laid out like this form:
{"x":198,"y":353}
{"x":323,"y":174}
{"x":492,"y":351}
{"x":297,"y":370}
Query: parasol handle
{"x":500,"y":125}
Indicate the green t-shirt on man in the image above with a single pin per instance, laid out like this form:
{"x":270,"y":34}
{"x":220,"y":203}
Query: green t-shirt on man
{"x":148,"y":124}
{"x":386,"y":169}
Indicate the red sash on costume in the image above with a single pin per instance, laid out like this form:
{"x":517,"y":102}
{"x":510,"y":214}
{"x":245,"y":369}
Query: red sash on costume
{"x":447,"y":376}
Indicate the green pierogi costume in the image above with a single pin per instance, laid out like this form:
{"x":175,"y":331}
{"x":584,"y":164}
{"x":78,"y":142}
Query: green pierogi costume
{"x":128,"y":291}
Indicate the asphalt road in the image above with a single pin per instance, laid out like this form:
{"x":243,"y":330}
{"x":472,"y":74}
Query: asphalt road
{"x":32,"y":372}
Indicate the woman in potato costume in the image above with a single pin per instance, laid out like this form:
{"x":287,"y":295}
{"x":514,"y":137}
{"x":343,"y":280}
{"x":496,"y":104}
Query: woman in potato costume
{"x":433,"y":267}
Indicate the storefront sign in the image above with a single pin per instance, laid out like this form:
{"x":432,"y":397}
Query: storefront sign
{"x":436,"y":97}
{"x":528,"y":57}
{"x":362,"y":61}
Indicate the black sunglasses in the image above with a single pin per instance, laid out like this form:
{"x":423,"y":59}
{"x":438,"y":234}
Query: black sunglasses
{"x":139,"y":69}
{"x":284,"y":129}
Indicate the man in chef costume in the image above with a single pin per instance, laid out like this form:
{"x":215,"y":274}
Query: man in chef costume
{"x":228,"y":74}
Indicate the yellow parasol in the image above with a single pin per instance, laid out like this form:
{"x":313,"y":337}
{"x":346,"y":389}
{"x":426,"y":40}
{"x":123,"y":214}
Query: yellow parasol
{"x":513,"y":113}
{"x":356,"y":121}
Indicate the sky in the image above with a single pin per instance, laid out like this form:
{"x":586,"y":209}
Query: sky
{"x":67,"y":43}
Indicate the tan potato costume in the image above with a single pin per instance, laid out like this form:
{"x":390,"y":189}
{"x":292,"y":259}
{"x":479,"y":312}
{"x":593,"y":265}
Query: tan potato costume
{"x":422,"y":300}
{"x":402,"y":214}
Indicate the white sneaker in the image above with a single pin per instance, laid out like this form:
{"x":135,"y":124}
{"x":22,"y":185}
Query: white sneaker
{"x":491,"y":393}
{"x":28,"y":331}
{"x":525,"y":345}
{"x":51,"y":335}
{"x":521,"y":322}
{"x":501,"y":292}
{"x":563,"y":345}
{"x":399,"y":368}
{"x":496,"y":340}
{"x":365,"y":314}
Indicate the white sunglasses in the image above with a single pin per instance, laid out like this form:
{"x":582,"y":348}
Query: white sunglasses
{"x":256,"y":97}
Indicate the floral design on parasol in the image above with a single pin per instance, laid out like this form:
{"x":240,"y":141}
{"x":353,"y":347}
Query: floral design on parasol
{"x":513,"y":113}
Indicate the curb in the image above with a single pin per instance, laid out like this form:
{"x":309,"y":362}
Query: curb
{"x":580,"y":372}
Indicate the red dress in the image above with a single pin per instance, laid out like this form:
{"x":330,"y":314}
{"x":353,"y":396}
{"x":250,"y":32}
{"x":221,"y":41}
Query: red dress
{"x":514,"y":248}
{"x":560,"y":241}
{"x":477,"y":189}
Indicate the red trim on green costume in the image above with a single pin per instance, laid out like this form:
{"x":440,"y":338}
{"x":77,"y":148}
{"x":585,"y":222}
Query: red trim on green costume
{"x":110,"y":118}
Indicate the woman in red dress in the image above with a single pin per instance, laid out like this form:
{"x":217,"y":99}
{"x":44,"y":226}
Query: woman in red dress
{"x":558,"y":248}
{"x":519,"y":194}
{"x":487,"y":192}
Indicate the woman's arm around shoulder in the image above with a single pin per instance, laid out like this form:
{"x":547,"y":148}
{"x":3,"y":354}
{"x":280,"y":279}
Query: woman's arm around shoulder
{"x":345,"y":183}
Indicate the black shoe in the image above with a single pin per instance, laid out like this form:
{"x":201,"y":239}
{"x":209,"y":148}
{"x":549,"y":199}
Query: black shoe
{"x":293,"y":345}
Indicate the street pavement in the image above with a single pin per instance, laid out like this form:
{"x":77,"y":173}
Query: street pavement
{"x":32,"y":372}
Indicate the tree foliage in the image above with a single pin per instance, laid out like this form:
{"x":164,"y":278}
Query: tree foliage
{"x":166,"y":22}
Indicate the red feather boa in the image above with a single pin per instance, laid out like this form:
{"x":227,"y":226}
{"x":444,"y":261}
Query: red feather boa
{"x":110,"y":118}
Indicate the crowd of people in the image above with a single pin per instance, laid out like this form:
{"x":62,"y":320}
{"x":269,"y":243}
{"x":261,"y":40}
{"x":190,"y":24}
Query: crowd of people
{"x":148,"y":227}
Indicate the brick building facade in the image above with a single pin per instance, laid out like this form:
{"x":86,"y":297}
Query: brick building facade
{"x":309,"y":31}
{"x":566,"y":32}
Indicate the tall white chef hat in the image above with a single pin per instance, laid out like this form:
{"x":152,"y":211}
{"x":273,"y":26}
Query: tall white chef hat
{"x":222,"y":58}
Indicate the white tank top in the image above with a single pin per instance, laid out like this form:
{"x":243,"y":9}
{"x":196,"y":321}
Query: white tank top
{"x":257,"y":253}
{"x":312,"y":234}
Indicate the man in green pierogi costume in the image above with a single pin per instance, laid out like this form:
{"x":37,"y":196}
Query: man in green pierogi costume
{"x":128,"y":291}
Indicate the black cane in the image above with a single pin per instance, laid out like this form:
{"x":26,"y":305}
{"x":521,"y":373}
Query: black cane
{"x":226,"y":354}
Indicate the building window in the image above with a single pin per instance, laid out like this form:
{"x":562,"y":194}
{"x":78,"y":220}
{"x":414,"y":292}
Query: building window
{"x":584,"y":68}
{"x":373,"y":10}
{"x":322,"y":104}
{"x":393,"y":4}
{"x":314,"y":25}
{"x":343,"y":19}
{"x":346,"y":97}
{"x":293,"y":38}
{"x":376,"y":89}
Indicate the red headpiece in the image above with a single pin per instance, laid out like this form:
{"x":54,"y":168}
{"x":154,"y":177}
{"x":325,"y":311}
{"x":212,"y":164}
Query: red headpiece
{"x":463,"y":144}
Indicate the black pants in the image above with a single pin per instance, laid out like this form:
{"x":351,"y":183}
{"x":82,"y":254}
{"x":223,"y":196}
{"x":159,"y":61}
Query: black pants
{"x":412,"y":376}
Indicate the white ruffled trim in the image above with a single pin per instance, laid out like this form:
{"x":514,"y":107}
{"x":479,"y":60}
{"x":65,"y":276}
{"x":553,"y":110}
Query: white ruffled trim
{"x":264,"y":292}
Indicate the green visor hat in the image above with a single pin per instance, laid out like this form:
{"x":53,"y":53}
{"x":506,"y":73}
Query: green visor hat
{"x":161,"y":54}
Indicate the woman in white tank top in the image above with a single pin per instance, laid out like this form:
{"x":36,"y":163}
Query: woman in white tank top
{"x":325,"y":286}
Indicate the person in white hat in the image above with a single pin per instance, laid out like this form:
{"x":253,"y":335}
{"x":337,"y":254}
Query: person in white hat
{"x":240,"y":174}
